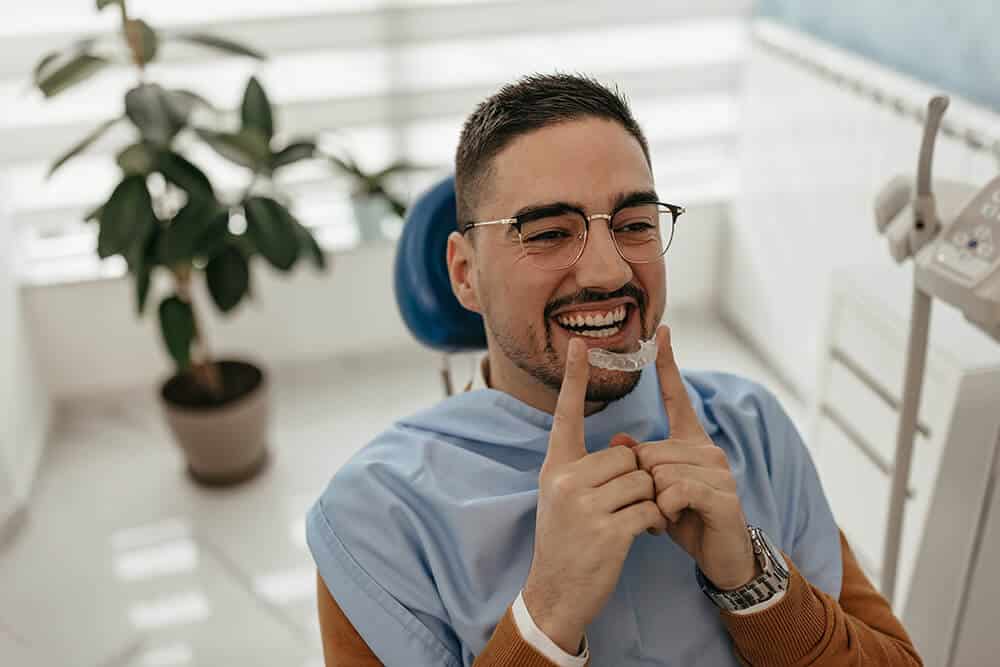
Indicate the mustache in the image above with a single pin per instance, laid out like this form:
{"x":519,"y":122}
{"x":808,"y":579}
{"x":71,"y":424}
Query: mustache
{"x":594,"y":296}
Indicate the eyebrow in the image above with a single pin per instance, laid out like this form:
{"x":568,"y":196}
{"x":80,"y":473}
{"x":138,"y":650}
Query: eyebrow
{"x":621,"y":200}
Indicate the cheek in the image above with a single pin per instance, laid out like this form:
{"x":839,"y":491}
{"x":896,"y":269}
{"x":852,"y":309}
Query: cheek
{"x":652,"y":278}
{"x":528,"y":296}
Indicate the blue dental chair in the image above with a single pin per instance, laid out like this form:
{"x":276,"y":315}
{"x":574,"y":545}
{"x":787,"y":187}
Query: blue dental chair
{"x":423,"y":290}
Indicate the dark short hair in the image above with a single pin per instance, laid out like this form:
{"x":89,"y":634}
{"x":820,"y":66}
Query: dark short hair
{"x":529,"y":104}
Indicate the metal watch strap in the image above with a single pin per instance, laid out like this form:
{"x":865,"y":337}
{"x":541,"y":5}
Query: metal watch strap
{"x":772,"y":580}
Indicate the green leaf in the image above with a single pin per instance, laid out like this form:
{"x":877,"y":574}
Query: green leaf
{"x":396,"y":167}
{"x":180,"y":239}
{"x":185,"y":175}
{"x":79,"y":68}
{"x":272,"y":231}
{"x":183,"y":102}
{"x":45,"y":61}
{"x":101,"y":4}
{"x":347,"y":165}
{"x":144,"y":271}
{"x":177,"y":327}
{"x":219,"y":43}
{"x":143,"y":279}
{"x":82,"y":145}
{"x":293,"y":152}
{"x":255,"y":110}
{"x":147,"y":107}
{"x":311,"y":247}
{"x":127,"y":220}
{"x":142,"y":40}
{"x":215,"y":235}
{"x":138,"y":158}
{"x":247,"y":147}
{"x":228,"y":276}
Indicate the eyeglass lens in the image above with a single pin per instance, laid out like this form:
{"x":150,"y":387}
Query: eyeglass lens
{"x":642,"y":233}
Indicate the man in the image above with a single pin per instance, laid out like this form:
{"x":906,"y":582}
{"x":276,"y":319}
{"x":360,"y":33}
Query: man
{"x":569,"y":514}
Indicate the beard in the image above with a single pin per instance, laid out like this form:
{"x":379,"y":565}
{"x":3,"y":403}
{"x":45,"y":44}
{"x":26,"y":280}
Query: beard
{"x":544,"y":365}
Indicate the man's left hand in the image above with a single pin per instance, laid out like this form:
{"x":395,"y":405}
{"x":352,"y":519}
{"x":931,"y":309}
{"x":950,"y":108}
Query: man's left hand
{"x":694,"y":486}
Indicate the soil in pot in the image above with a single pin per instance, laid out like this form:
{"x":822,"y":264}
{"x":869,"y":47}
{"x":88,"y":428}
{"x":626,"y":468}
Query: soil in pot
{"x":238,"y":380}
{"x":224,"y":438}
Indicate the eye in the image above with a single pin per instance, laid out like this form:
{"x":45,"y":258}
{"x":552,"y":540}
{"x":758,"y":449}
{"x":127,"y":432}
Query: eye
{"x":636,"y":225}
{"x":547,"y":235}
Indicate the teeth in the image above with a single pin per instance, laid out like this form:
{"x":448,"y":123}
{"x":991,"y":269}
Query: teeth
{"x":601,"y":333}
{"x":591,"y":320}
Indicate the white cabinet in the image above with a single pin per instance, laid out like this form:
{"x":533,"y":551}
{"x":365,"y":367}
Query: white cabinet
{"x":855,"y":413}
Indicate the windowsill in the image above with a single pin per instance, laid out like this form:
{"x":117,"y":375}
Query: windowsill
{"x":93,"y":270}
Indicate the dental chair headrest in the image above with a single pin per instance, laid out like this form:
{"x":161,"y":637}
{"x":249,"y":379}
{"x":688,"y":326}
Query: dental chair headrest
{"x":423,"y":289}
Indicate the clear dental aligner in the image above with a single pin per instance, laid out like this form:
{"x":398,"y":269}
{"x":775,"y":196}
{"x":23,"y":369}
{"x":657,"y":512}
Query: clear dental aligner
{"x":624,"y":361}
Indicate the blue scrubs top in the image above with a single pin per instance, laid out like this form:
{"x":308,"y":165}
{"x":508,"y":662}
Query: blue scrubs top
{"x":425,"y":536}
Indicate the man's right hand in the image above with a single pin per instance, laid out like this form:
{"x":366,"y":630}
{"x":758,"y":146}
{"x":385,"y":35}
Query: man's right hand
{"x":591,"y":507}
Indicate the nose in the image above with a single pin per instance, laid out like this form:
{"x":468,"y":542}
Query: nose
{"x":600,"y":266}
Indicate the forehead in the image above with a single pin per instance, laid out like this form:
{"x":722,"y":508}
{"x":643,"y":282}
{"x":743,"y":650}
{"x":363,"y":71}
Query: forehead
{"x":589,"y":161}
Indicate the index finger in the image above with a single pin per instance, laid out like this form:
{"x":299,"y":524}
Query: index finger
{"x":566,"y":442}
{"x":683,"y":419}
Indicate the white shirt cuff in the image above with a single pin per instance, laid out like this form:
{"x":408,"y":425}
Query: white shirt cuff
{"x":761,"y":606}
{"x":541,"y":642}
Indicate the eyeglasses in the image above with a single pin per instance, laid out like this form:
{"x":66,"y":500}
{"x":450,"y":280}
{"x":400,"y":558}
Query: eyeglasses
{"x":553,"y":237}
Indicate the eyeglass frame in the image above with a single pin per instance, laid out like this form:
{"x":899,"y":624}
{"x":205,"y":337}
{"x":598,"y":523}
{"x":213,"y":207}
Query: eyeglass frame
{"x":675,"y":210}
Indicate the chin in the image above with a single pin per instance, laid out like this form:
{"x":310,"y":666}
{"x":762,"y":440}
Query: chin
{"x":606,"y":386}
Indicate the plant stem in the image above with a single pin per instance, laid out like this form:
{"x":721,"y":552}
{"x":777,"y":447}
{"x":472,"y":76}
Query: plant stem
{"x":206,"y":372}
{"x":133,"y":39}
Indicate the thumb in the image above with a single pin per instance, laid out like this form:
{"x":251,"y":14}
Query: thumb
{"x":566,"y":440}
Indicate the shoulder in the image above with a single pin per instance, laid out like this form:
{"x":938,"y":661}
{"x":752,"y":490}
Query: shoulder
{"x":375,"y":476}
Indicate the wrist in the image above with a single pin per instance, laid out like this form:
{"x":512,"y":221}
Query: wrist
{"x":749,"y":573}
{"x":565,"y":633}
{"x":771,"y":581}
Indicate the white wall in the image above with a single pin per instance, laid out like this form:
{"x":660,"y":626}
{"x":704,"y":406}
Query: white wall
{"x":88,"y":338}
{"x":25,"y":408}
{"x":813,"y":156}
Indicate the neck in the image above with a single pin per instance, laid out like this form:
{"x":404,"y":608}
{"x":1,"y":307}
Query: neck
{"x":500,"y":374}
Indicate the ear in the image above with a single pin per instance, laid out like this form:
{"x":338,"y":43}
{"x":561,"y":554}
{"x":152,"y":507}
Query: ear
{"x":461,"y":270}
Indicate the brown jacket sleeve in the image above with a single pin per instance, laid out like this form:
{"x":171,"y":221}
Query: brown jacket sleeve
{"x":807,"y":627}
{"x":343,"y":646}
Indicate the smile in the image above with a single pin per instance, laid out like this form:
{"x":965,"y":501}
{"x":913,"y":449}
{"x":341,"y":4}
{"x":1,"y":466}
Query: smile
{"x":594,"y":324}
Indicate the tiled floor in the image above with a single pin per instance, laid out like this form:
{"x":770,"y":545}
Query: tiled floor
{"x":125,"y":563}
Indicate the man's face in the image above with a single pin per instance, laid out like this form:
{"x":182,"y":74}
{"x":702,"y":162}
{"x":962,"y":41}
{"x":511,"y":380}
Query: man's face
{"x":592,"y":164}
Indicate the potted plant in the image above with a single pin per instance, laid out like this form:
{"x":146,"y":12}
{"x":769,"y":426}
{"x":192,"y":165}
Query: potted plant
{"x":372,"y":201}
{"x":166,"y":218}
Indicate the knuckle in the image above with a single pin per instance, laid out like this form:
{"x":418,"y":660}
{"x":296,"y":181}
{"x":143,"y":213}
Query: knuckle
{"x":607,"y":530}
{"x":627,"y":457}
{"x":560,"y":483}
{"x":717,"y":456}
{"x":584,"y":504}
{"x":644,"y":481}
{"x":650,"y":515}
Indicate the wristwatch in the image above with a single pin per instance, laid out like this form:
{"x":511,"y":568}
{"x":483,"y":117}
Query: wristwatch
{"x":772,"y":580}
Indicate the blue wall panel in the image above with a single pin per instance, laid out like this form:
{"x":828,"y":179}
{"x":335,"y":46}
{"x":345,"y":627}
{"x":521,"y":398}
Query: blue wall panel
{"x":953,"y":44}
